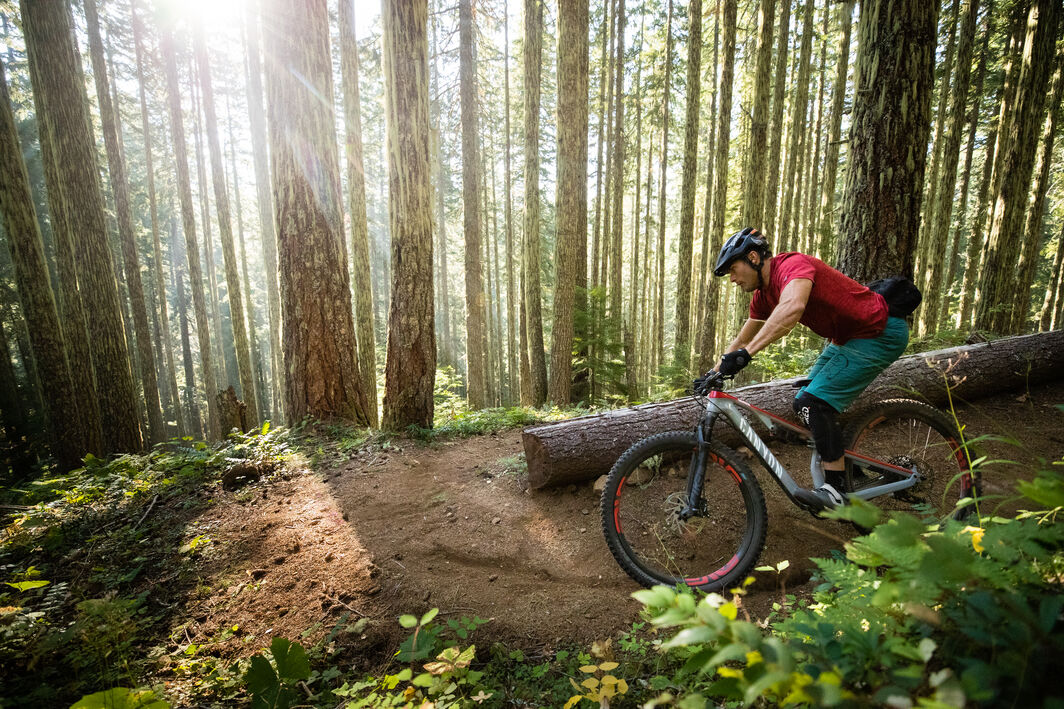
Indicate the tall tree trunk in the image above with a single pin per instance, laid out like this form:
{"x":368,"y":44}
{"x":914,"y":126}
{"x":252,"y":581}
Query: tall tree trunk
{"x":978,"y":223}
{"x":1046,"y":318}
{"x":178,"y":276}
{"x":659,"y":305}
{"x":71,"y":308}
{"x":123,"y":212}
{"x":1012,"y":59}
{"x":571,"y":242}
{"x":1032,"y":230}
{"x":49,"y":38}
{"x":356,"y":200}
{"x":966,"y":174}
{"x":213,"y":294}
{"x":225,"y":228}
{"x":754,"y":192}
{"x":888,"y":138}
{"x":476,"y":337}
{"x":261,"y":397}
{"x":702,"y":357}
{"x":828,"y":230}
{"x":941,"y":216}
{"x":720,"y":169}
{"x":930,"y":202}
{"x":320,"y":362}
{"x":157,"y":253}
{"x":616,"y":266}
{"x":532,"y":62}
{"x":264,"y":201}
{"x":786,"y":236}
{"x":411,"y":361}
{"x":447,"y":355}
{"x":511,"y":290}
{"x":685,"y":247}
{"x":184,"y":189}
{"x":779,"y":88}
{"x":35,"y":294}
{"x":1015,"y":163}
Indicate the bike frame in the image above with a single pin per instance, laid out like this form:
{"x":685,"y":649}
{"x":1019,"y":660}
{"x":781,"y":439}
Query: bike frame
{"x":732,"y":409}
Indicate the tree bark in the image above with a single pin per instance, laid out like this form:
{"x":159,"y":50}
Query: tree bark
{"x":779,"y":87}
{"x":411,"y":361}
{"x":1032,"y":231}
{"x":1014,"y":165}
{"x":685,"y":248}
{"x":710,"y":322}
{"x":225,"y":228}
{"x":356,"y":200}
{"x":573,"y":26}
{"x":157,"y":262}
{"x":1053,"y":292}
{"x":50,"y":42}
{"x":476,"y":335}
{"x":35,"y":295}
{"x":659,"y":305}
{"x":586,"y":447}
{"x":123,"y":212}
{"x":828,"y":229}
{"x":184,"y":188}
{"x":966,"y":174}
{"x":940,"y":217}
{"x":178,"y":277}
{"x":532,"y":63}
{"x":930,"y":202}
{"x":888,"y":138}
{"x":787,"y":235}
{"x":754,"y":186}
{"x":264,"y":202}
{"x":322,"y":374}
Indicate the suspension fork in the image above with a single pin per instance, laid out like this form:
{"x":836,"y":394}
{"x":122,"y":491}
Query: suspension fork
{"x":693,"y":505}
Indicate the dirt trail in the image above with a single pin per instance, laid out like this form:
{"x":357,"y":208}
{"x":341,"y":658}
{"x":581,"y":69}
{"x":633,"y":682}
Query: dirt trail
{"x":452,"y":525}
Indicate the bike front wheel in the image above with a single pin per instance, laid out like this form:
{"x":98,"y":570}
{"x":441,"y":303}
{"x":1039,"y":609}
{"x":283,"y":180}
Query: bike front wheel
{"x":642,"y":506}
{"x":916,"y":436}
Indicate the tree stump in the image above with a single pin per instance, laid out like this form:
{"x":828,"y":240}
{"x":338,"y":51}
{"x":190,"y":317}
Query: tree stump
{"x":586,"y":447}
{"x":232,"y":411}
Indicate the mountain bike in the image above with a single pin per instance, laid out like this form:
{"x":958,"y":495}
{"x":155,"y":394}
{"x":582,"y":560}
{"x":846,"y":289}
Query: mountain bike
{"x":681,"y":507}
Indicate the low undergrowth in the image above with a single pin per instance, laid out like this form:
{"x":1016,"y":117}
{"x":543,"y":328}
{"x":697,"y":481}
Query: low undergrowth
{"x":915,"y":613}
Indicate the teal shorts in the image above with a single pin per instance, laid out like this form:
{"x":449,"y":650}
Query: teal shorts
{"x":842,"y":372}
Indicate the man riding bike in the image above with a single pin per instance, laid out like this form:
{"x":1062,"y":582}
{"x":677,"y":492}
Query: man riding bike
{"x":791,"y":288}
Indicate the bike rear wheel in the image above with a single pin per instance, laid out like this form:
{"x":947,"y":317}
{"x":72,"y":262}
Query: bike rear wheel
{"x":641,"y":504}
{"x":912,"y":434}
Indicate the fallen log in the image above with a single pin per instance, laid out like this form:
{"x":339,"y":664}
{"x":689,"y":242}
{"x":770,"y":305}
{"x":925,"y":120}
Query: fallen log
{"x":584,"y":448}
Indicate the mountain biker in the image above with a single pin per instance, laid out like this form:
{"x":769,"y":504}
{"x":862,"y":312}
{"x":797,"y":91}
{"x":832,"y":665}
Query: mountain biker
{"x":791,"y":288}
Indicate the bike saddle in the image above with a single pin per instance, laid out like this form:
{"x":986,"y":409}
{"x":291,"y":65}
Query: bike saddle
{"x":798,"y":384}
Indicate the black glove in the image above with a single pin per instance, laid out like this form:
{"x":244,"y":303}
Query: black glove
{"x":733,"y":362}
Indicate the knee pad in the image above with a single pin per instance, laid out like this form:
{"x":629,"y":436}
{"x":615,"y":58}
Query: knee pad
{"x":823,"y":423}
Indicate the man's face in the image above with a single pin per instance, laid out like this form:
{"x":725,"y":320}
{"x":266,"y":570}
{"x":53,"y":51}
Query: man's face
{"x":742,"y":274}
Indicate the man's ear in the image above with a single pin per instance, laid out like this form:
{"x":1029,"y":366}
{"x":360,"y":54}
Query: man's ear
{"x":754,"y":253}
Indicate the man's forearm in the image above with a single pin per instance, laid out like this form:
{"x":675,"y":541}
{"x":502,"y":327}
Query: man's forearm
{"x":781,"y":322}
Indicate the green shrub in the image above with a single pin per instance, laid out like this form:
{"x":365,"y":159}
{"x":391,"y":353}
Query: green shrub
{"x":943,"y":615}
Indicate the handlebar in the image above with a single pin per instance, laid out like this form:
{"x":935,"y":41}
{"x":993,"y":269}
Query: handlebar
{"x":710,"y":381}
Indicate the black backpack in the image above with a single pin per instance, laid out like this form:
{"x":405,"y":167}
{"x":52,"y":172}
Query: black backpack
{"x":901,"y":294}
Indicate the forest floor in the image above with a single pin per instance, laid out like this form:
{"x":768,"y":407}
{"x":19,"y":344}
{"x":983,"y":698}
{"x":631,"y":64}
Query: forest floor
{"x":402,"y":527}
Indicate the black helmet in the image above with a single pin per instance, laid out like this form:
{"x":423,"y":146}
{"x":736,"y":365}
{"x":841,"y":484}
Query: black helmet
{"x":738,"y":246}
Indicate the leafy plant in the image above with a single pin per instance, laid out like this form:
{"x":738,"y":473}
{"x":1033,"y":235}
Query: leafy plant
{"x":272,"y":685}
{"x":600,"y":686}
{"x":121,"y":698}
{"x":945,"y":614}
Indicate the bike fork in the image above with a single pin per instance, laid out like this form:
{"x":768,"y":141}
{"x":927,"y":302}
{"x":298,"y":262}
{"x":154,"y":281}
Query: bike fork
{"x":695,"y":477}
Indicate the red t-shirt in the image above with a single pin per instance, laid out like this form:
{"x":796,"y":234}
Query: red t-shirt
{"x":839,"y":307}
